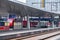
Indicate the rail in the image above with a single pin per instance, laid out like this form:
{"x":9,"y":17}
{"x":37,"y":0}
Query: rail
{"x":36,"y":33}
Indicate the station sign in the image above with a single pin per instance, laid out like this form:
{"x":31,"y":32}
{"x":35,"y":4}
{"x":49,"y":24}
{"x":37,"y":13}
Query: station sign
{"x":42,"y":18}
{"x":12,"y":16}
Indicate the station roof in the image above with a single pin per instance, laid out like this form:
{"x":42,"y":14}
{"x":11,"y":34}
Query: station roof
{"x":23,"y":9}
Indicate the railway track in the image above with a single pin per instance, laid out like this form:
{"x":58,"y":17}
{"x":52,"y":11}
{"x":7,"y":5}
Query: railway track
{"x":50,"y":37}
{"x":36,"y":34}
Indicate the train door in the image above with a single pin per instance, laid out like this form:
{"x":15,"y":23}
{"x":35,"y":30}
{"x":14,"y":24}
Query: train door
{"x":58,"y":24}
{"x":24,"y":24}
{"x":34,"y":22}
{"x":17,"y":24}
{"x":11,"y":23}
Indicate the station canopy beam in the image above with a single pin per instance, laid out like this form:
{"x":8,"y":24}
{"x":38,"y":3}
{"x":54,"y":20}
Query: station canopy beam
{"x":21,"y":9}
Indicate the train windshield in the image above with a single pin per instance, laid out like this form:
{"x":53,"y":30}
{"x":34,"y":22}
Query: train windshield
{"x":2,"y":22}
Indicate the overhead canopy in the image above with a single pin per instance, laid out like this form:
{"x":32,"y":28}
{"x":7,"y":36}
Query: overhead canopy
{"x":22,"y":10}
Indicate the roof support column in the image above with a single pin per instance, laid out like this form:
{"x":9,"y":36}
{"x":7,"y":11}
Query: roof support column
{"x":28,"y":22}
{"x":53,"y":24}
{"x":21,"y":22}
{"x":58,"y":22}
{"x":39,"y":22}
{"x":52,"y":21}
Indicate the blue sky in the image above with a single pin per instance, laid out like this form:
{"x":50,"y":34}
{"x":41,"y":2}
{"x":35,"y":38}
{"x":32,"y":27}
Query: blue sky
{"x":22,"y":1}
{"x":19,"y":0}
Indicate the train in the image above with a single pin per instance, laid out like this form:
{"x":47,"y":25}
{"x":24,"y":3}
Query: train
{"x":6,"y":24}
{"x":35,"y":22}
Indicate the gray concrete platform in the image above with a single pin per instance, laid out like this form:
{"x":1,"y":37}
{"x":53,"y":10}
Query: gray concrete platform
{"x":20,"y":33}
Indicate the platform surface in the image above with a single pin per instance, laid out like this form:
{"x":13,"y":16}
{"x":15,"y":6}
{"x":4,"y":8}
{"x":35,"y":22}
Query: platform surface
{"x":15,"y":33}
{"x":11,"y":32}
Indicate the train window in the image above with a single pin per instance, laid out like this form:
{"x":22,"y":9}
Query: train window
{"x":2,"y":23}
{"x":17,"y":20}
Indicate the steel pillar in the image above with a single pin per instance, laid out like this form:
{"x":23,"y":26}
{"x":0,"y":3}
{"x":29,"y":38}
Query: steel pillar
{"x":28,"y":22}
{"x":52,"y":21}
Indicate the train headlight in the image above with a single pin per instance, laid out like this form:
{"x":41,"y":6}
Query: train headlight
{"x":6,"y":23}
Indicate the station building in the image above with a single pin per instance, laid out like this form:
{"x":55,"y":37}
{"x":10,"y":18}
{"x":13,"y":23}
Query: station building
{"x":47,"y":5}
{"x":34,"y":16}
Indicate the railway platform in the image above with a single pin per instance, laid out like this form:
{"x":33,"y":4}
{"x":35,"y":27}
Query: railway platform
{"x":26,"y":33}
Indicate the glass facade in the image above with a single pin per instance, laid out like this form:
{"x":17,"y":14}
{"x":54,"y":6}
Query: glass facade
{"x":49,"y":5}
{"x":54,"y":5}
